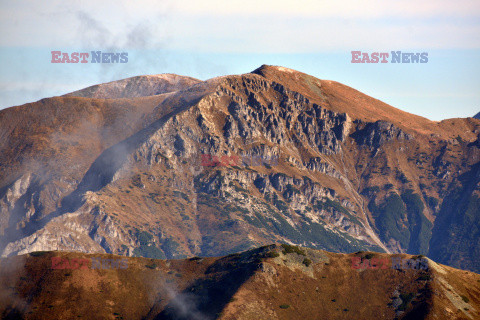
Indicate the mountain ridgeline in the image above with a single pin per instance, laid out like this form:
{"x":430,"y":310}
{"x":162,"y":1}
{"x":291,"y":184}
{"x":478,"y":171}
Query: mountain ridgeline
{"x":173,"y":167}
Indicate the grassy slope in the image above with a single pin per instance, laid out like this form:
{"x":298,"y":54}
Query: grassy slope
{"x":273,"y":282}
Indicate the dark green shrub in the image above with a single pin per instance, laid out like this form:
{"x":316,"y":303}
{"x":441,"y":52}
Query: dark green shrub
{"x":389,"y":221}
{"x":369,"y":256}
{"x":307,"y":262}
{"x":292,"y":249}
{"x":151,"y":266}
{"x":180,"y":194}
{"x":425,"y":277}
{"x":432,"y":202}
{"x":420,"y":227}
{"x":144,"y":237}
{"x":38,"y":253}
{"x":272,"y":254}
{"x":373,"y":189}
{"x":148,"y":251}
{"x":195,"y":258}
{"x":406,"y":298}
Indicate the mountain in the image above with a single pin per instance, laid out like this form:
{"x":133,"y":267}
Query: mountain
{"x":271,"y":282}
{"x":140,"y":86}
{"x":477,"y":116}
{"x":172,"y":167}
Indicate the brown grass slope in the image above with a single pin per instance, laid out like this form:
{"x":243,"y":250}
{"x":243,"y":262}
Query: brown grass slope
{"x":271,"y":282}
{"x":55,"y":140}
{"x":80,"y":124}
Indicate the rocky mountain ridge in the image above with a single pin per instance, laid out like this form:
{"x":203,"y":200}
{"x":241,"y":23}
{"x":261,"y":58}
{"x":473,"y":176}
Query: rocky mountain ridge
{"x":369,"y":178}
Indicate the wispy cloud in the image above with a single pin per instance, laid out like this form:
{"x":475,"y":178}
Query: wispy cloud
{"x":243,"y":25}
{"x":346,"y":9}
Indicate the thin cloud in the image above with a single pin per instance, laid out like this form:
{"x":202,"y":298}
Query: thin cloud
{"x":334,"y":9}
{"x":265,"y":26}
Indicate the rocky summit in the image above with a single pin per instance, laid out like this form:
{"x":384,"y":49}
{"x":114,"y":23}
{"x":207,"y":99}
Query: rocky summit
{"x":171,"y":167}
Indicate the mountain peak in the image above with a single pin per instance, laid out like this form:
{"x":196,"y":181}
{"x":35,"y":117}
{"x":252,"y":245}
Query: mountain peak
{"x":139,"y":86}
{"x":477,"y":116}
{"x":265,"y":68}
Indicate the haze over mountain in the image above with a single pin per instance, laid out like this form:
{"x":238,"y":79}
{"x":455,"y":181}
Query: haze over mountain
{"x":140,"y":86}
{"x":118,"y":168}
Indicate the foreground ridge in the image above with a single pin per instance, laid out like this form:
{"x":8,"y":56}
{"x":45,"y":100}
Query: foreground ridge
{"x":272,"y":282}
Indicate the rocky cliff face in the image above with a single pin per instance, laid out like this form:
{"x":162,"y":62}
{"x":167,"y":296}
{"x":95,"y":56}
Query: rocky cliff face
{"x":239,"y":161}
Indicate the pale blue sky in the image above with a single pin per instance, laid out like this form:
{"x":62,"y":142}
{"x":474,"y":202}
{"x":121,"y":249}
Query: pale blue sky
{"x":211,"y":38}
